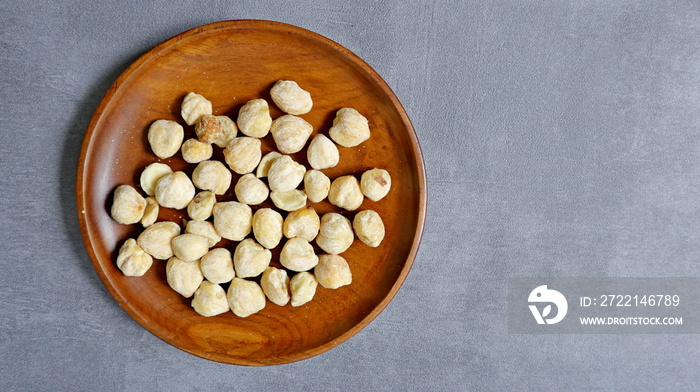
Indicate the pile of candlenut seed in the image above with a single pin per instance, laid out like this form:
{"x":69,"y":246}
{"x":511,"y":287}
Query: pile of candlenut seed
{"x":195,"y":265}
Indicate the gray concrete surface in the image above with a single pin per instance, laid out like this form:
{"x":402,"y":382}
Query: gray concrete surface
{"x":560,"y":139}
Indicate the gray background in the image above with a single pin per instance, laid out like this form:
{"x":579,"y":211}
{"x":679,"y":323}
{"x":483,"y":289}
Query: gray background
{"x":560,"y":139}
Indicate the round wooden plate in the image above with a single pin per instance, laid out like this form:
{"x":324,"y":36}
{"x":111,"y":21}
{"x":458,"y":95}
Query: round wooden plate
{"x":229,"y":63}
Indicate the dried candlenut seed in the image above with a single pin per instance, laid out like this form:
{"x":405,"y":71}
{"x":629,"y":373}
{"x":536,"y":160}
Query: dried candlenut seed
{"x":232,"y":220}
{"x":335,"y":235}
{"x":285,"y":174}
{"x":290,"y":133}
{"x":290,"y":200}
{"x":194,"y":106}
{"x":183,"y":276}
{"x":201,"y":205}
{"x":150,"y":176}
{"x":350,"y":128}
{"x":165,"y":138}
{"x":132,"y":260}
{"x":275,"y":285}
{"x":194,"y":266}
{"x":150,"y":213}
{"x":250,"y":259}
{"x":208,"y":128}
{"x":369,"y":227}
{"x":332,"y":271}
{"x":212,"y":176}
{"x":155,"y":239}
{"x":266,"y":162}
{"x":195,"y":151}
{"x":175,"y":190}
{"x":267,"y":227}
{"x":316,"y":185}
{"x":210,"y":300}
{"x":217,"y":266}
{"x":245,"y":297}
{"x":251,"y":190}
{"x":189,"y":247}
{"x":375,"y":184}
{"x":254,"y":118}
{"x":345,"y":192}
{"x":243,"y":154}
{"x":205,"y":229}
{"x":303,"y":287}
{"x":322,"y":153}
{"x":229,"y":131}
{"x":291,"y":98}
{"x":298,"y":255}
{"x":127,"y":206}
{"x":303,"y":223}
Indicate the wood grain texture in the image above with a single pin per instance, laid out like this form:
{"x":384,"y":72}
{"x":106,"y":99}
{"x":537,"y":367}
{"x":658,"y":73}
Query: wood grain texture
{"x":230,"y":63}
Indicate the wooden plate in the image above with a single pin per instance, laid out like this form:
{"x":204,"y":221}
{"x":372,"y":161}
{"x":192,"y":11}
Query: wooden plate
{"x":229,"y":63}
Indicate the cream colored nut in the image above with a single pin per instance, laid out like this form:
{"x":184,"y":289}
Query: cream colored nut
{"x":375,"y":184}
{"x":303,"y":223}
{"x":174,"y":190}
{"x":251,"y":190}
{"x":201,"y":205}
{"x":210,"y":300}
{"x":217,"y":266}
{"x":254,"y":118}
{"x":150,"y":176}
{"x":266,"y":162}
{"x":267,"y":227}
{"x":194,"y":106}
{"x":291,"y":98}
{"x":165,"y":138}
{"x":194,"y":151}
{"x":250,"y":259}
{"x":127,"y":205}
{"x":232,"y":220}
{"x":316,"y":185}
{"x":155,"y":239}
{"x":208,"y":128}
{"x":183,"y":276}
{"x":285,"y":174}
{"x":132,"y":260}
{"x":350,"y":128}
{"x":335,"y":235}
{"x":275,"y":285}
{"x":369,"y":227}
{"x":243,"y":154}
{"x":212,"y":176}
{"x":345,"y":192}
{"x":290,"y":133}
{"x":205,"y":229}
{"x":189,"y":247}
{"x":322,"y":153}
{"x":150,"y":213}
{"x":303,"y":287}
{"x":298,"y":255}
{"x":290,"y":200}
{"x":229,"y":131}
{"x":332,"y":271}
{"x":245,"y":297}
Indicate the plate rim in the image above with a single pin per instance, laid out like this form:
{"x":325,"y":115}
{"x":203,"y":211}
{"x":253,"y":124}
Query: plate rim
{"x":81,"y":188}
